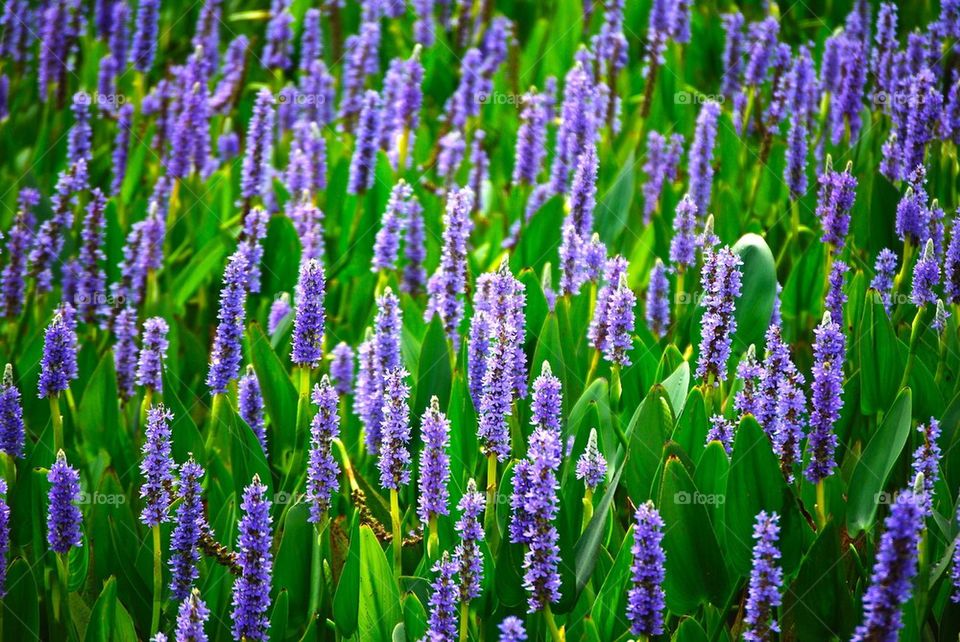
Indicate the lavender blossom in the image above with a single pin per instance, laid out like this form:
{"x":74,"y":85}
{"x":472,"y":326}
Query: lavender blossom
{"x":309,"y":321}
{"x":415,"y":252}
{"x":449,"y":282}
{"x":341,"y":368}
{"x":442,"y":621}
{"x":829,"y":351}
{"x":883,"y":271}
{"x":125,"y":351}
{"x":153,"y":352}
{"x":645,"y":598}
{"x":226,"y":354}
{"x":279,"y":311}
{"x":189,"y":525}
{"x":434,"y":463}
{"x":452,"y":148}
{"x":157,"y":467}
{"x":64,"y":519}
{"x":926,"y":276}
{"x":766,"y":579}
{"x":257,"y":169}
{"x":59,"y":363}
{"x":733,"y":53}
{"x":912,"y":212}
{"x":591,"y":467}
{"x":251,"y":590}
{"x":721,"y":285}
{"x":701,"y":156}
{"x":121,"y":147}
{"x":467,"y":554}
{"x":322,"y":469}
{"x":12,"y":434}
{"x":394,"y":462}
{"x":364,"y":159}
{"x":250,"y":405}
{"x":578,"y":126}
{"x":386,"y":246}
{"x":143,"y":49}
{"x":658,"y":300}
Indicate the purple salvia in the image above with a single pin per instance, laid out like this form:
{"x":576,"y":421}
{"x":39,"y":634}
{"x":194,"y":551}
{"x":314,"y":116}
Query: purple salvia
{"x":591,"y":467}
{"x":394,"y":455}
{"x":531,"y":139}
{"x":891,"y":581}
{"x":143,"y":48}
{"x":12,"y":284}
{"x":444,"y":595}
{"x":225,"y":357}
{"x":257,"y":169}
{"x":341,"y":368}
{"x":826,"y":397}
{"x":360,"y":60}
{"x":157,"y":467}
{"x":12,"y":435}
{"x":881,"y":60}
{"x":308,"y":324}
{"x":467,"y":554}
{"x":434,"y":464}
{"x":191,"y":617}
{"x":58,"y":365}
{"x":250,"y":243}
{"x":189,"y":525}
{"x":701,"y":156}
{"x":386,"y":245}
{"x":658,"y":300}
{"x":764,"y":592}
{"x":250,"y":405}
{"x":720,"y":279}
{"x":926,"y":276}
{"x":251,"y":591}
{"x":364,"y":159}
{"x":64,"y":519}
{"x":448,"y":284}
{"x":424,"y":28}
{"x":322,"y":469}
{"x":660,"y":167}
{"x":206,"y":35}
{"x":50,"y":238}
{"x":232,"y":73}
{"x":645,"y":598}
{"x":153,"y":352}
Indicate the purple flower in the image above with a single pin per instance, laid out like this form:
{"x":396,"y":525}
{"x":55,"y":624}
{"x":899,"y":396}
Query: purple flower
{"x":361,"y":58}
{"x":153,"y":352}
{"x":386,"y":246}
{"x":912,"y":213}
{"x":452,"y":150}
{"x":447,"y":285}
{"x":12,"y":286}
{"x":58,"y":365}
{"x":786,"y":425}
{"x":279,"y":311}
{"x":620,"y":323}
{"x":322,"y":469}
{"x":434,"y":463}
{"x":467,"y":553}
{"x":402,"y":119}
{"x":394,"y":462}
{"x":733,"y":53}
{"x":722,"y":430}
{"x":192,"y":616}
{"x":531,"y":139}
{"x":364,"y":158}
{"x":226,"y":354}
{"x":251,"y":591}
{"x":157,"y":467}
{"x":442,"y":621}
{"x":50,"y":238}
{"x":341,"y":368}
{"x":836,"y":297}
{"x":11,"y":419}
{"x":309,"y":321}
{"x":883,"y":271}
{"x":278,"y":45}
{"x":926,"y":460}
{"x":663,"y":157}
{"x":232,"y":73}
{"x":250,"y":243}
{"x":663,"y":18}
{"x":125,"y":350}
{"x":882,"y":58}
{"x":645,"y":598}
{"x":829,"y":352}
{"x":720,"y":279}
{"x":940,"y":317}
{"x":599,"y":328}
{"x":926,"y":276}
{"x":701,"y":156}
{"x":189,"y":524}
{"x":955,"y":569}
{"x":684,"y":243}
{"x":658,"y":300}
{"x":766,"y":580}
{"x":424,"y":28}
{"x":834,"y":201}
{"x":250,"y":404}
{"x":748,"y":371}
{"x":891,"y":582}
{"x":4,"y":536}
{"x":414,"y":274}
{"x":591,"y":467}
{"x":64,"y":519}
{"x":256,"y":172}
{"x":578,"y":126}
{"x":121,"y":146}
{"x":511,"y":630}
{"x":143,"y":49}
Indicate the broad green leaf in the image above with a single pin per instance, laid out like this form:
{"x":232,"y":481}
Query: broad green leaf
{"x":346,"y":601}
{"x":433,"y":370}
{"x":379,"y":606}
{"x":758,"y":290}
{"x":610,"y":606}
{"x":880,"y":365}
{"x":646,"y":434}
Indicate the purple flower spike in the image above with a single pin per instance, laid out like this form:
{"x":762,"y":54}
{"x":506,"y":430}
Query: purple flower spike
{"x":64,"y":519}
{"x":955,"y":569}
{"x":926,"y":460}
{"x":226,"y":354}
{"x":467,"y":553}
{"x":278,"y":45}
{"x":157,"y":467}
{"x":531,"y":139}
{"x":257,"y":169}
{"x":620,"y":323}
{"x":59,"y":363}
{"x":367,"y":140}
{"x":836,"y":297}
{"x":250,"y":402}
{"x":658,"y":300}
{"x":143,"y":49}
{"x":599,"y":328}
{"x":663,"y":157}
{"x":192,"y":616}
{"x":153,"y":353}
{"x":4,"y":536}
{"x":125,"y":351}
{"x":309,"y":321}
{"x":251,"y":591}
{"x":829,"y":352}
{"x":883,"y":272}
{"x":442,"y":622}
{"x":766,"y":579}
{"x":189,"y":525}
{"x":386,"y":246}
{"x":834,"y":201}
{"x":12,"y":435}
{"x":449,"y":282}
{"x":434,"y":463}
{"x":415,"y":251}
{"x":684,"y":243}
{"x":511,"y":630}
{"x":341,"y":368}
{"x":645,"y":598}
{"x":394,"y":462}
{"x":701,"y":156}
{"x":322,"y":469}
{"x":722,"y":430}
{"x":279,"y":311}
{"x":12,"y":284}
{"x":926,"y":276}
{"x":721,"y":286}
{"x":592,"y":467}
{"x":891,"y":582}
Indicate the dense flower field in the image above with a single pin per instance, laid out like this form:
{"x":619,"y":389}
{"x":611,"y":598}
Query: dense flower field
{"x":470,"y":320}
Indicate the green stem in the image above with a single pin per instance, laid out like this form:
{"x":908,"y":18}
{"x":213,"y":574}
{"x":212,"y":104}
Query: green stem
{"x":593,"y":367}
{"x":433,"y":539}
{"x":587,"y":509}
{"x":397,"y":535}
{"x":489,"y":516}
{"x":464,"y":621}
{"x":915,"y":331}
{"x":157,"y":580}
{"x":57,"y":422}
{"x":315,"y":566}
{"x":821,"y":505}
{"x":555,"y":633}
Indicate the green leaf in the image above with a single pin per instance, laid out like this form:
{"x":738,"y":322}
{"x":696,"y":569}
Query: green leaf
{"x":79,"y":557}
{"x":433,"y":370}
{"x":207,"y":260}
{"x":695,"y":570}
{"x":758,"y":291}
{"x":646,"y":434}
{"x":346,"y":601}
{"x":615,"y":206}
{"x":609,"y":609}
{"x":589,"y":545}
{"x":676,"y":386}
{"x":279,"y":395}
{"x":103,"y":618}
{"x":379,"y":604}
{"x":23,"y":620}
{"x":873,"y":469}
{"x":881,"y":367}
